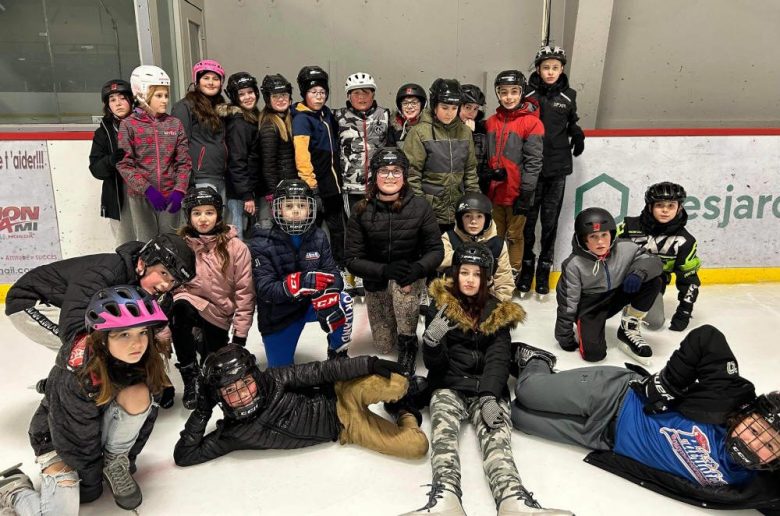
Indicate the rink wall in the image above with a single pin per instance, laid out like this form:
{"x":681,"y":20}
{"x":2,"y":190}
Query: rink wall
{"x":49,"y":203}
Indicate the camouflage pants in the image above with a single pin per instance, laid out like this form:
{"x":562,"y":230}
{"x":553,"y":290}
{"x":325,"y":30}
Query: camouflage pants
{"x":448,"y":409}
{"x":392,"y":312}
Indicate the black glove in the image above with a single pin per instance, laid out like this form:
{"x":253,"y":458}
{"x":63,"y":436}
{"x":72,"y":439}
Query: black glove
{"x":116,"y":156}
{"x":681,"y":317}
{"x":398,"y":270}
{"x":206,"y":398}
{"x":577,"y":142}
{"x":385,"y":368}
{"x":522,"y":203}
{"x":239,"y":341}
{"x":416,"y":271}
{"x":656,"y":392}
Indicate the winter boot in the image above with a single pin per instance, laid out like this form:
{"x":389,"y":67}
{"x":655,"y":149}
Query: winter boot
{"x":525,"y":277}
{"x":12,"y":480}
{"x":523,"y":353}
{"x":442,"y":501}
{"x":167,"y":397}
{"x":631,"y":341}
{"x":116,"y":471}
{"x":522,"y":503}
{"x":189,"y":375}
{"x":543,"y":277}
{"x":407,"y":353}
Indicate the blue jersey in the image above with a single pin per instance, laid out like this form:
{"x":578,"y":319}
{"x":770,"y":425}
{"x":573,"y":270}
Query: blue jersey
{"x":673,"y":443}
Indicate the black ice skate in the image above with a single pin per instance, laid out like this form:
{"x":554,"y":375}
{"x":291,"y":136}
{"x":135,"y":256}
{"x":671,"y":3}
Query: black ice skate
{"x":631,"y":341}
{"x":543,"y":278}
{"x":523,"y":353}
{"x":526,"y":276}
{"x":189,"y":375}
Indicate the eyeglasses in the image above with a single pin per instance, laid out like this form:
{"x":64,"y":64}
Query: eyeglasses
{"x":280,"y":96}
{"x":318,"y":93}
{"x":410,"y":103}
{"x":389,"y":173}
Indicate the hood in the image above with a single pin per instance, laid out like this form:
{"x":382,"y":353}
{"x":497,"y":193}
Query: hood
{"x":504,"y":314}
{"x":585,"y":252}
{"x":527,"y":108}
{"x":229,"y":110}
{"x":129,"y":252}
{"x":537,"y":84}
{"x":655,"y":228}
{"x":301,"y":108}
{"x":489,"y":233}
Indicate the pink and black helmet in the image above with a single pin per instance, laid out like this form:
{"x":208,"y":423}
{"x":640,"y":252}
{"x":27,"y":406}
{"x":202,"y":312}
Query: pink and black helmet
{"x":120,"y":307}
{"x":207,"y":65}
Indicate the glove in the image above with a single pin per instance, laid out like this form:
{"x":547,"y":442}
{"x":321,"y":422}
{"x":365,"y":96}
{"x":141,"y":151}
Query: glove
{"x":398,"y":270}
{"x":416,"y":271}
{"x":656,"y":393}
{"x":633,"y":282}
{"x":239,"y":341}
{"x":155,"y":198}
{"x":438,"y":327}
{"x":116,"y":156}
{"x":491,"y":412}
{"x":385,"y":368}
{"x":206,"y":400}
{"x":330,"y":314}
{"x":681,"y":317}
{"x":175,"y":201}
{"x":318,"y":202}
{"x":577,"y":143}
{"x":312,"y":282}
{"x":522,"y":203}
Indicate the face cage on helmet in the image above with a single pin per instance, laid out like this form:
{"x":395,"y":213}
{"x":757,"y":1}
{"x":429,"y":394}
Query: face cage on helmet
{"x":243,"y":412}
{"x":742,"y":453}
{"x":294,"y":227}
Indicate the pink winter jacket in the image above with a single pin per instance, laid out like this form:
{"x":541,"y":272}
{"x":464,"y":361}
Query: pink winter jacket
{"x":156,"y":154}
{"x":222,"y":299}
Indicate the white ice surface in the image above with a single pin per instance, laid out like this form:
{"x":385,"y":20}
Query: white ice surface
{"x":331,"y":479}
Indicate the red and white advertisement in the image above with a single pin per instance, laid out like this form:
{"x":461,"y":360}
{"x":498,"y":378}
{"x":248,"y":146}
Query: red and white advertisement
{"x":29,"y":235}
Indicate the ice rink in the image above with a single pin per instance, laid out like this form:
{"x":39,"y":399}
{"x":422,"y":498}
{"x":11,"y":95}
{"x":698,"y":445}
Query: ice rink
{"x":347,"y":480}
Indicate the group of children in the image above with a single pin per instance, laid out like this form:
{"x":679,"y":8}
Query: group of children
{"x":407,"y":197}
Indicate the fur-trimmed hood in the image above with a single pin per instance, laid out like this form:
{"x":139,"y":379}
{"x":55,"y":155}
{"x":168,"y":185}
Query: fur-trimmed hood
{"x":495,"y":316}
{"x":228,"y":110}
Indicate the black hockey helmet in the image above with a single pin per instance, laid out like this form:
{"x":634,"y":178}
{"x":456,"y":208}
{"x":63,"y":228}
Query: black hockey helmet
{"x":273,"y":84}
{"x":474,"y":201}
{"x":593,"y":220}
{"x":472,"y":94}
{"x":388,"y":156}
{"x":293,"y":189}
{"x":756,"y":426}
{"x":665,"y":191}
{"x":474,"y":253}
{"x":410,"y":90}
{"x":548,"y":52}
{"x":120,"y":307}
{"x":173,"y":253}
{"x":202,"y":196}
{"x":239,"y":81}
{"x":228,"y":365}
{"x":116,"y":86}
{"x":311,"y":76}
{"x":511,"y":78}
{"x":445,"y":91}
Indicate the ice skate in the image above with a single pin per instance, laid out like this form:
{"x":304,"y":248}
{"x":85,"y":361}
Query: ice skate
{"x":523,"y":353}
{"x":442,"y":501}
{"x":525,"y":277}
{"x":189,"y":375}
{"x":631,"y":341}
{"x":542,"y":278}
{"x":116,"y":472}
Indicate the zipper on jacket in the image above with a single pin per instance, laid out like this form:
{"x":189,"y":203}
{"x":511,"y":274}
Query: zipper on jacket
{"x":332,"y":152}
{"x":157,"y":150}
{"x":390,"y":235}
{"x":116,"y":179}
{"x":365,"y":150}
{"x":609,"y":279}
{"x":201,"y":155}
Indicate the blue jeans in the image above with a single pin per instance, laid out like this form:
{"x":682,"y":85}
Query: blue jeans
{"x":59,"y":493}
{"x":280,"y":346}
{"x":235,"y":216}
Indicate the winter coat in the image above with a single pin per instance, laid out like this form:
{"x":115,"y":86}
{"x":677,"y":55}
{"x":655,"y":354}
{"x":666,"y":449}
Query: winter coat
{"x":379,"y":236}
{"x":298,"y":409}
{"x":558,"y":104}
{"x":241,"y":136}
{"x":156,"y":154}
{"x":274,"y":257}
{"x":475,"y":363}
{"x":672,"y":243}
{"x":585,"y":279}
{"x":207,"y":149}
{"x":69,"y":421}
{"x":399,"y":129}
{"x":273,"y":157}
{"x":317,"y":151}
{"x":442,"y":165}
{"x":515,"y":141}
{"x":104,"y":143}
{"x":221,"y":298}
{"x":69,"y":284}
{"x":361,"y":133}
{"x":503,"y":286}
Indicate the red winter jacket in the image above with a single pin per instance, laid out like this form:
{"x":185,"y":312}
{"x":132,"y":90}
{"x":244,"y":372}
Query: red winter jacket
{"x":515,"y":142}
{"x":156,"y":154}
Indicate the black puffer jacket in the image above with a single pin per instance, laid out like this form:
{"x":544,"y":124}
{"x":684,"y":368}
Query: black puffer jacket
{"x":472,"y":362}
{"x":273,"y":258}
{"x":208,"y":150}
{"x":103,"y":146}
{"x":241,"y":136}
{"x":559,"y":116}
{"x":298,"y":410}
{"x":379,"y":236}
{"x":69,"y":284}
{"x":69,"y":421}
{"x":274,"y":156}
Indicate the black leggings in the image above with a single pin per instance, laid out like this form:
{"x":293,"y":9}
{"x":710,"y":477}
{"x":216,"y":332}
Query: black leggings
{"x":185,"y":317}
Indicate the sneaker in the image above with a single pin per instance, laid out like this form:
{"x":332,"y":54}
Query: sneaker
{"x":631,"y":341}
{"x":523,"y":353}
{"x":116,"y":472}
{"x":522,"y":503}
{"x":12,"y":480}
{"x":526,"y":276}
{"x":441,"y":500}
